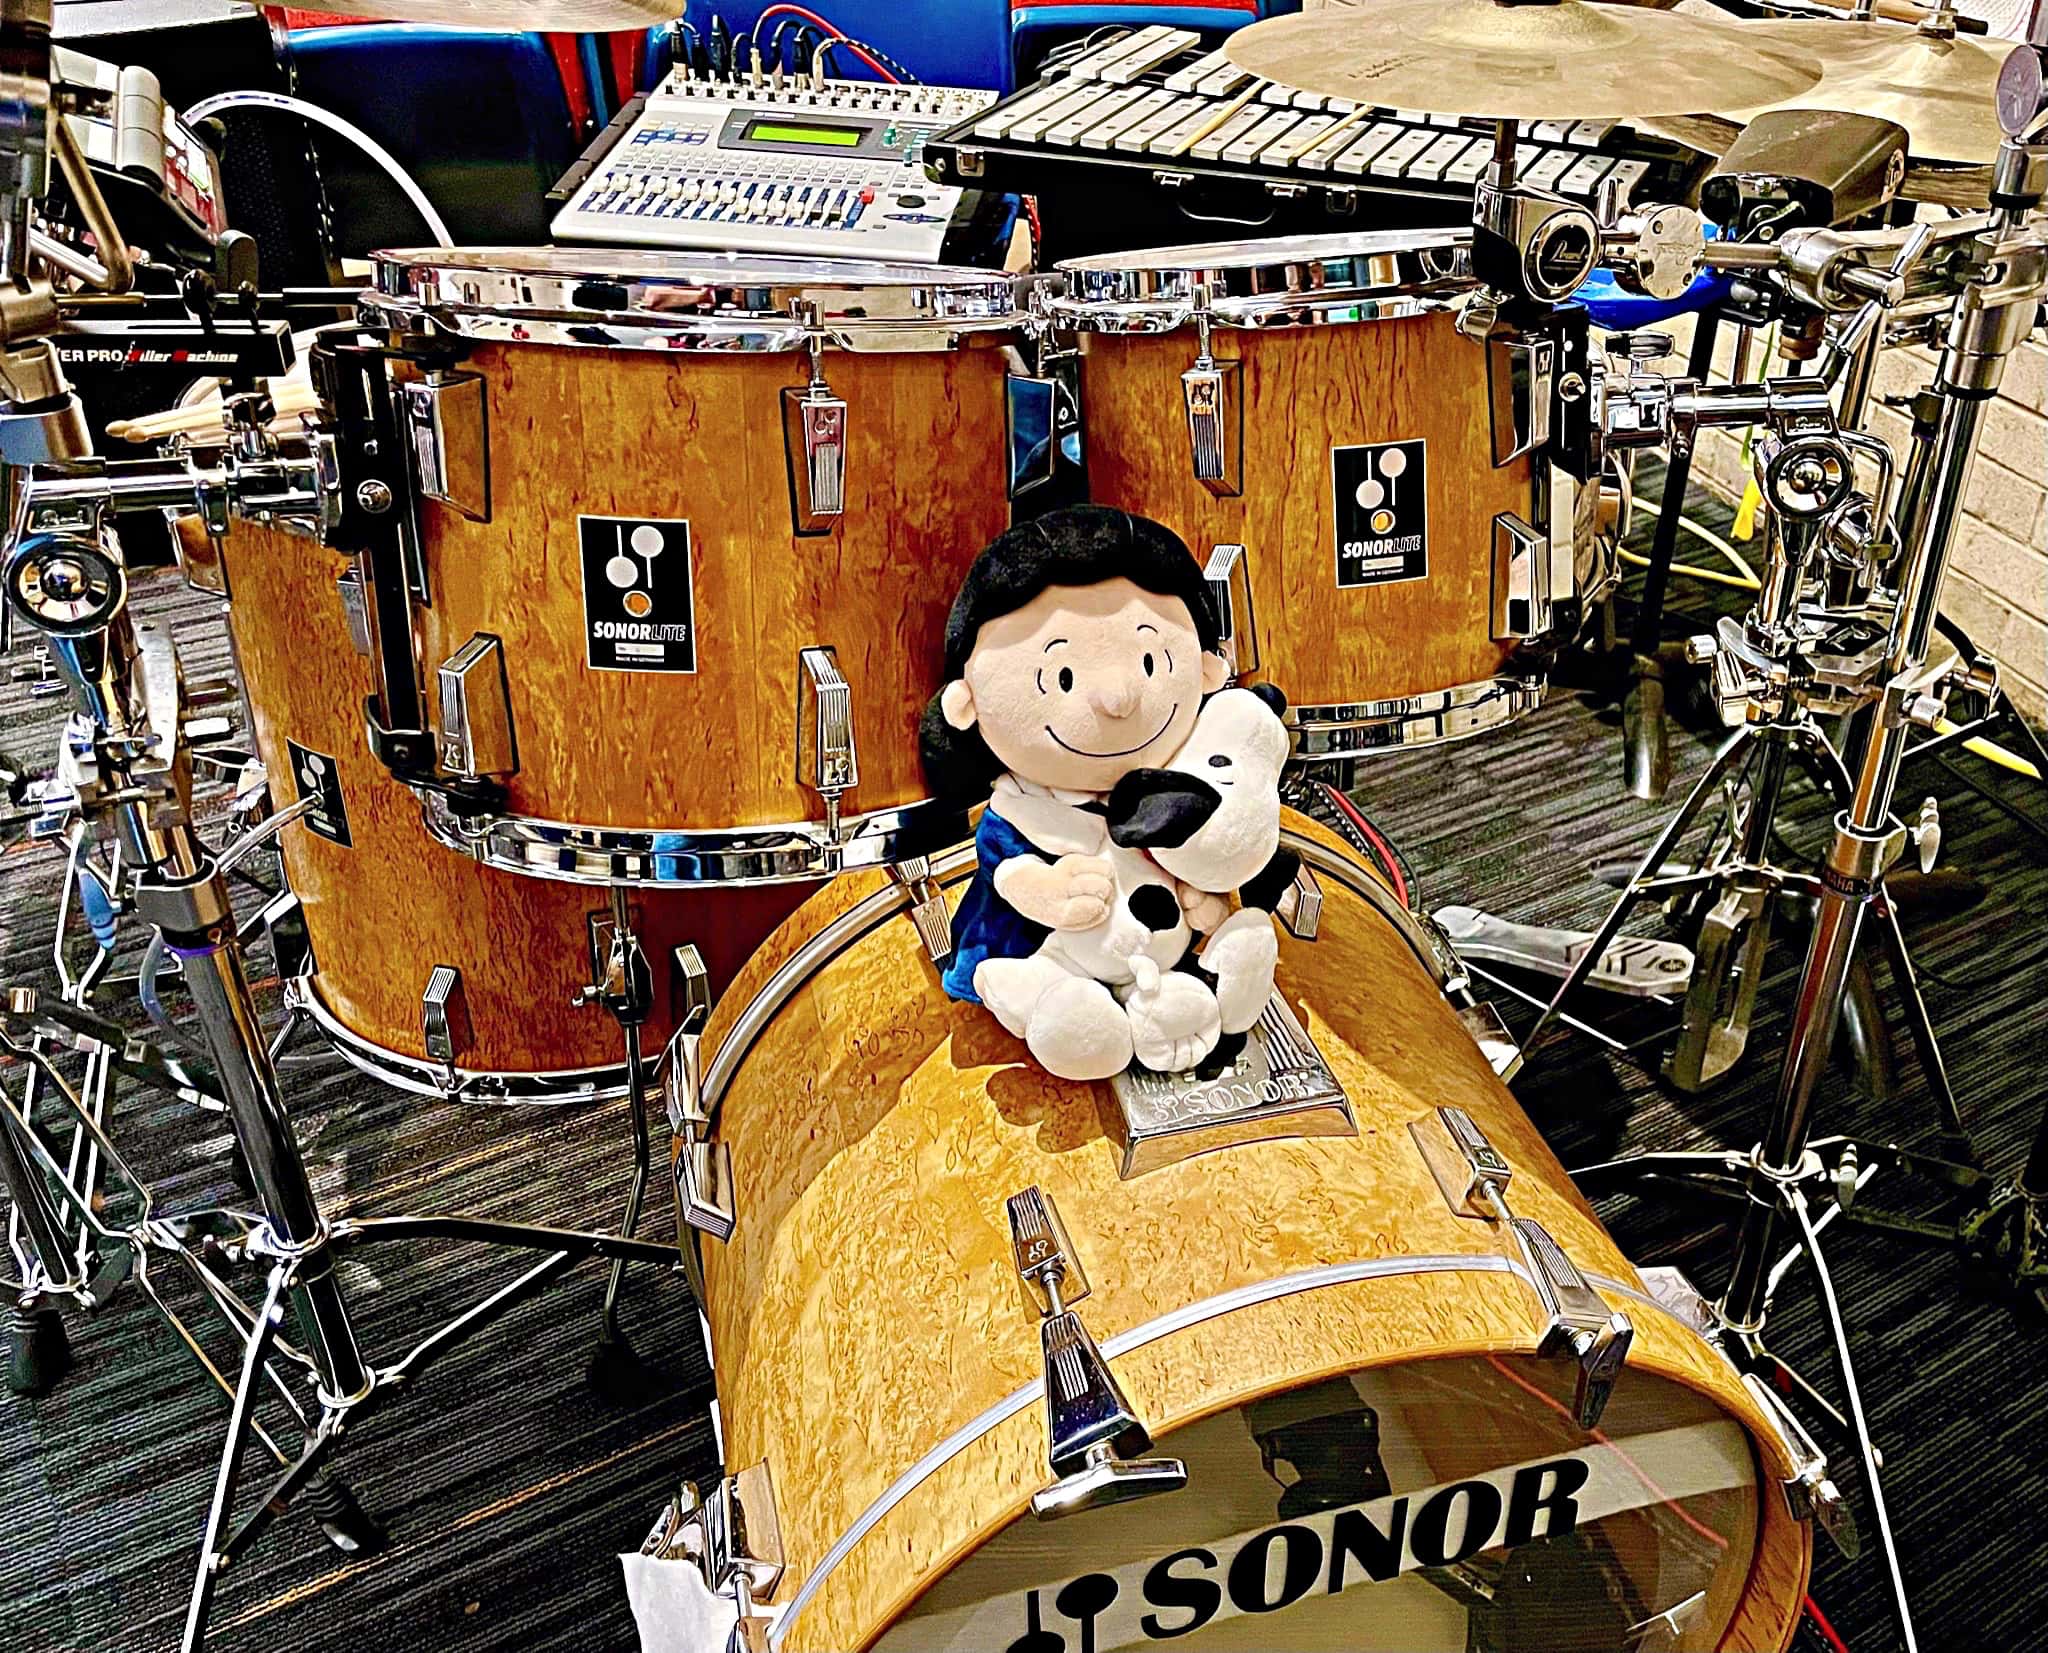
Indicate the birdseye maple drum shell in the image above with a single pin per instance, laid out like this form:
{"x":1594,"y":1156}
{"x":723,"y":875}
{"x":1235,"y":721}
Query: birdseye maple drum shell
{"x":873,"y":1344}
{"x":382,"y":912}
{"x":698,"y":436}
{"x":1306,"y":391}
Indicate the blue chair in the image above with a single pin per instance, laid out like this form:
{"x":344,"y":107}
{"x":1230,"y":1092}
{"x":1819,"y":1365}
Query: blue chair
{"x":477,"y":116}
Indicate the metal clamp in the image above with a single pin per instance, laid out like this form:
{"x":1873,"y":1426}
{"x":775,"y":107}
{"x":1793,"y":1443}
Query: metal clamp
{"x":702,"y":1168}
{"x":824,"y":711}
{"x":814,"y":440}
{"x":1579,"y":1326}
{"x":1092,"y":1435}
{"x":928,"y":911}
{"x":1212,"y":392}
{"x":1228,"y":572}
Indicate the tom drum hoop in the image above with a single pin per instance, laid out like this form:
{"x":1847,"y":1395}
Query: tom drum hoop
{"x":728,"y":500}
{"x":1375,"y":1456}
{"x":1306,"y":413}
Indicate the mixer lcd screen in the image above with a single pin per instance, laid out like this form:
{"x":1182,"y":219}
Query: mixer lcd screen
{"x":771,"y":132}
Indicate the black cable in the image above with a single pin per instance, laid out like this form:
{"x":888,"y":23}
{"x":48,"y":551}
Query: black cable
{"x":2003,"y":805}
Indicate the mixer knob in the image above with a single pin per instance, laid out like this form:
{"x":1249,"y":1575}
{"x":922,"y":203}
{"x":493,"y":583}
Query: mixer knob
{"x":728,"y":191}
{"x":692,"y":189}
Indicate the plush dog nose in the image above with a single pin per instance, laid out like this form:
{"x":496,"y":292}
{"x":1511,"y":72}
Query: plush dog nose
{"x":1115,"y":696}
{"x":1159,"y":808}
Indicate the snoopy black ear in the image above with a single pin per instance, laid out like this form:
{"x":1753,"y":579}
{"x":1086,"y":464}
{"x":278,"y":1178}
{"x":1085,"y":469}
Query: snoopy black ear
{"x":1276,"y":702}
{"x":1159,"y":808}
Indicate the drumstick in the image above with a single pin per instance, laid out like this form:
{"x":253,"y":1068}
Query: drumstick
{"x":1217,"y":119}
{"x":292,"y":397}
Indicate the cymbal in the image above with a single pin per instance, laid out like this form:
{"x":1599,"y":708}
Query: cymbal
{"x":542,"y":16}
{"x":1565,"y":61}
{"x":1941,"y":91}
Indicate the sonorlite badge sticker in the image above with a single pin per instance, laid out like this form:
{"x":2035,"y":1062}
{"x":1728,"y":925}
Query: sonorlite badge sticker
{"x":639,"y":613}
{"x":315,"y":776}
{"x":1382,"y":512}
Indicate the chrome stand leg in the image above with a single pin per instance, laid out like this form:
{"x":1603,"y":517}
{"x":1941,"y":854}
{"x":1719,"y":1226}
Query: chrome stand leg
{"x":1921,"y":1027}
{"x":211,"y":1558}
{"x":636,"y":1193}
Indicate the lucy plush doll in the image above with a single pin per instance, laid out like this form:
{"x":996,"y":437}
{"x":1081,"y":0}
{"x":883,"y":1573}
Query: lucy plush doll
{"x":1078,"y":651}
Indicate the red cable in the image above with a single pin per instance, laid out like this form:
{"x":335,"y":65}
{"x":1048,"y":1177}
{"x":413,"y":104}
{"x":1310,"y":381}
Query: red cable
{"x":1827,"y":1630}
{"x":855,"y":48}
{"x":839,"y":35}
{"x":1636,"y":1469}
{"x":1380,"y":848}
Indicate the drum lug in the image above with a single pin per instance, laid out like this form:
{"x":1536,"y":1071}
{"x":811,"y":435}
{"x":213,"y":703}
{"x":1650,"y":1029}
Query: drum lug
{"x":735,"y":1537}
{"x":1522,"y":588}
{"x":1301,"y":906}
{"x":1520,"y":369}
{"x":824,"y":710}
{"x":814,"y":442}
{"x":1809,"y":1492}
{"x":448,"y":417}
{"x":928,"y":911}
{"x":1578,"y":1325}
{"x":1211,"y":390}
{"x":1092,"y":1434}
{"x":477,"y":738}
{"x":355,"y":607}
{"x":1048,"y":403}
{"x":444,"y":1020}
{"x":702,"y":1168}
{"x":1228,"y":572}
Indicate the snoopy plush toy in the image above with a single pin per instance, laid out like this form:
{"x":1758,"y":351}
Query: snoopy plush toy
{"x":1079,"y":655}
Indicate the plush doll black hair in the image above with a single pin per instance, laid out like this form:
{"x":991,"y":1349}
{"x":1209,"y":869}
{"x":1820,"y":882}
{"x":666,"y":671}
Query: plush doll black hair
{"x":1077,"y":545}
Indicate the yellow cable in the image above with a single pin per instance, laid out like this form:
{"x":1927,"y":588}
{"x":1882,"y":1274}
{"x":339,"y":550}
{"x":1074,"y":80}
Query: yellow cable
{"x":1990,"y":751}
{"x":1745,"y":513}
{"x":1711,"y":574}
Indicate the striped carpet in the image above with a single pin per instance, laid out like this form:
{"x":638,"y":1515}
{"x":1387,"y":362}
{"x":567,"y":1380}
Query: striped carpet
{"x":508,"y":1482}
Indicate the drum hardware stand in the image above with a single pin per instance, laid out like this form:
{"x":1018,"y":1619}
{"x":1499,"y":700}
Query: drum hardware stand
{"x":1093,"y":1438}
{"x":1998,"y":278}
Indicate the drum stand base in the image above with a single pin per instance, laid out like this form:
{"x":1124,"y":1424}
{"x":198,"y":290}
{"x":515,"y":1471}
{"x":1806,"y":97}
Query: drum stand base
{"x":39,"y":1351}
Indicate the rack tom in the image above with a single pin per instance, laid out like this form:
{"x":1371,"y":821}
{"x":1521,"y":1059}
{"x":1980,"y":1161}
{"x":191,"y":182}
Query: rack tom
{"x":700,"y":520}
{"x":1307,"y":413}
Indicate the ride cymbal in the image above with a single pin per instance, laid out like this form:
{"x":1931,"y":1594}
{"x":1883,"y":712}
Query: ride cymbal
{"x":1564,"y":61}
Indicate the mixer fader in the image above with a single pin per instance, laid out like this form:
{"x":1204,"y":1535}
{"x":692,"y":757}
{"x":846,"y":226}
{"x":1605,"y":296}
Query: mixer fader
{"x":833,"y":168}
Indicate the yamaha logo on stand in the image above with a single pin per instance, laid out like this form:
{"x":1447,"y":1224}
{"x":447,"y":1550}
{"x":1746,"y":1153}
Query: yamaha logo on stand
{"x":639,"y":611}
{"x":1382,"y":512}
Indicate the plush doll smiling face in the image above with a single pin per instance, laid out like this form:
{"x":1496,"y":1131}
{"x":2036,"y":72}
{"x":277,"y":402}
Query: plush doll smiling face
{"x":1083,"y":684}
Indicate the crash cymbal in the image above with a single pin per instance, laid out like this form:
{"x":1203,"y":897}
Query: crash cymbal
{"x":1565,"y":61}
{"x":1941,"y":91}
{"x":542,"y":16}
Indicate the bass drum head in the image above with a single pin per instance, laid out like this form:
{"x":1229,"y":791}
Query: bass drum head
{"x":1442,"y":1504}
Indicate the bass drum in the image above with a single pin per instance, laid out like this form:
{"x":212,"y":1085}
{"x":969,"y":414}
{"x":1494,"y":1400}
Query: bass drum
{"x":385,"y":905}
{"x":1375,"y":1456}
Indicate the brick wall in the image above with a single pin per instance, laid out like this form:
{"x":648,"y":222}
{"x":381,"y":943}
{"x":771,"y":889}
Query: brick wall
{"x":1997,"y":587}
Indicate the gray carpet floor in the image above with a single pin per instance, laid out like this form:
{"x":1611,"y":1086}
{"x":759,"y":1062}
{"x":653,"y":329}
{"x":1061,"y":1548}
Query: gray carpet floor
{"x":509,"y":1482}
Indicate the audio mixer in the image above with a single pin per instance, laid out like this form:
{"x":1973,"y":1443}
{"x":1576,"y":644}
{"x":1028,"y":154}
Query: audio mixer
{"x":814,"y":166}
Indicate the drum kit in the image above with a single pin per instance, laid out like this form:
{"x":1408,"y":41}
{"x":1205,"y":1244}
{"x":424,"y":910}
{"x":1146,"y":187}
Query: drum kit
{"x":585,"y":606}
